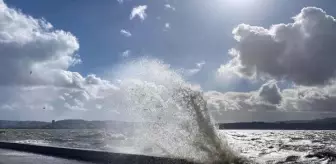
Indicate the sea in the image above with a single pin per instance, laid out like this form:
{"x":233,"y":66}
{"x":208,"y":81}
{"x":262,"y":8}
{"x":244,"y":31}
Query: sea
{"x":257,"y":146}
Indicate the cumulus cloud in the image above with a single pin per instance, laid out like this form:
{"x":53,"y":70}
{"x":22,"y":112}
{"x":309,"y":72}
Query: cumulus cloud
{"x":34,"y":53}
{"x":301,"y":51}
{"x":139,"y":85}
{"x":45,"y":102}
{"x":266,"y":98}
{"x":120,"y":1}
{"x":125,"y":33}
{"x":35,"y":77}
{"x":36,"y":82}
{"x":226,"y":75}
{"x":270,"y":92}
{"x":270,"y":98}
{"x":139,"y":11}
{"x":300,"y":98}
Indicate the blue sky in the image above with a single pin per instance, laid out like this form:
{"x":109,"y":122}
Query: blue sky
{"x":278,"y":65}
{"x":200,"y":30}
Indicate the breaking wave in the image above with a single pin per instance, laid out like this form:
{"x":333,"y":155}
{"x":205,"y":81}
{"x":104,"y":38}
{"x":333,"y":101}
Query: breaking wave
{"x":174,"y":115}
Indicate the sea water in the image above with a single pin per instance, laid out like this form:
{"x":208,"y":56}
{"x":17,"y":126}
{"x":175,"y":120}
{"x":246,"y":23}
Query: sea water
{"x":262,"y":146}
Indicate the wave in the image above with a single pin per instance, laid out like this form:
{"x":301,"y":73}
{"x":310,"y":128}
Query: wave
{"x":180,"y":124}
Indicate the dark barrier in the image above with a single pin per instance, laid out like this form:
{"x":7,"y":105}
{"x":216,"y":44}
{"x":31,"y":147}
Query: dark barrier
{"x":91,"y":155}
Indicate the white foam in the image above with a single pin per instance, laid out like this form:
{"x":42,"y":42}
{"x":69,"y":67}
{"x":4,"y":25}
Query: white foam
{"x":180,"y":123}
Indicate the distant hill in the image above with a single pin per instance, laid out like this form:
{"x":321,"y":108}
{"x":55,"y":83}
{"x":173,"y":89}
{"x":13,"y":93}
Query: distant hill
{"x":4,"y":124}
{"x":318,"y":124}
{"x":83,"y":124}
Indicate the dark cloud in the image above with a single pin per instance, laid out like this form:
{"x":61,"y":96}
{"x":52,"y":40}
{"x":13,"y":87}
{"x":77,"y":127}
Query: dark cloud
{"x":270,"y":92}
{"x":302,"y":51}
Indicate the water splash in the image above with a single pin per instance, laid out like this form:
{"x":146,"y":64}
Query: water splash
{"x":176,"y":120}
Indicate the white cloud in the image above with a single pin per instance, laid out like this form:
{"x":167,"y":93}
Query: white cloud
{"x":270,"y":98}
{"x":120,"y":1}
{"x":267,"y":98}
{"x":200,"y":64}
{"x":142,"y":84}
{"x":301,"y":51}
{"x":33,"y":53}
{"x":300,"y":98}
{"x":139,"y":11}
{"x":226,"y":73}
{"x":126,"y":53}
{"x":167,"y":26}
{"x":193,"y":71}
{"x":125,"y":33}
{"x":35,"y":79}
{"x":168,"y":6}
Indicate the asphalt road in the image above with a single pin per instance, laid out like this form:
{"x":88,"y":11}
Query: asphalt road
{"x":15,"y":157}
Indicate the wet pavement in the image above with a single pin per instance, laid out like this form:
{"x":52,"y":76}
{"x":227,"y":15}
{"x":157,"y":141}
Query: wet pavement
{"x":15,"y":157}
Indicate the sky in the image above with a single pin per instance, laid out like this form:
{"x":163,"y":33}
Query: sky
{"x":254,"y":60}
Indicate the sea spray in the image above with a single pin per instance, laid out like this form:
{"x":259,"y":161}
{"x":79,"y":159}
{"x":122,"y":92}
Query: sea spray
{"x":176,"y":120}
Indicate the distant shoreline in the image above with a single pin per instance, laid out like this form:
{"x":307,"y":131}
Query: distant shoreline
{"x":65,"y":124}
{"x":318,"y":124}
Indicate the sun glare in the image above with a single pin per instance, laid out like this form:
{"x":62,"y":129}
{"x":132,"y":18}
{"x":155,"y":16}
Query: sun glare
{"x":238,"y":3}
